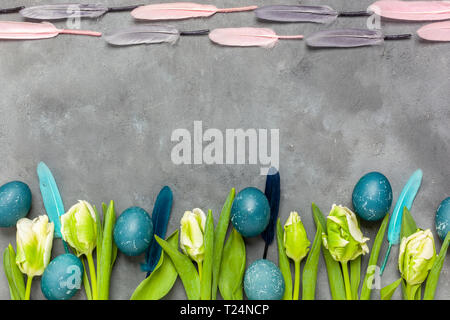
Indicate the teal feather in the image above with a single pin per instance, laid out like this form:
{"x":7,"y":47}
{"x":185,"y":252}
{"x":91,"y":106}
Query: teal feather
{"x":51,"y":197}
{"x":272,"y":193}
{"x":160,"y":218}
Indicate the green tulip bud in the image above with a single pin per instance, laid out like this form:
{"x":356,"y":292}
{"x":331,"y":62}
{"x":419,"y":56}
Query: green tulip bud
{"x":34,"y":245}
{"x":295,"y":240}
{"x":344,"y":238}
{"x":417,"y":255}
{"x":79,"y":228}
{"x":192,"y":233}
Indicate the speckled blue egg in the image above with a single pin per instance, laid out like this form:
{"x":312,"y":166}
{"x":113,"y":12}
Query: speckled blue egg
{"x":15,"y":203}
{"x":372,"y":196}
{"x":133,"y":231}
{"x":250,"y":212}
{"x":263,"y":281}
{"x":62,"y":278}
{"x":443,"y":218}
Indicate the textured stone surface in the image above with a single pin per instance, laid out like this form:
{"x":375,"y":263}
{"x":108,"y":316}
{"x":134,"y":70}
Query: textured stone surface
{"x":102,"y":118}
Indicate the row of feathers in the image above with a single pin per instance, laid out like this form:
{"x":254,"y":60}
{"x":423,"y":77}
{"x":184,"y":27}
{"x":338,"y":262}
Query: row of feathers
{"x":146,"y":34}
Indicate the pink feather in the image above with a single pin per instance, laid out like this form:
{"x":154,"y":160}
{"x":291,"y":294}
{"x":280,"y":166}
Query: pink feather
{"x":180,"y":10}
{"x":412,"y":10}
{"x":247,"y":37}
{"x":30,"y":31}
{"x":439,"y":31}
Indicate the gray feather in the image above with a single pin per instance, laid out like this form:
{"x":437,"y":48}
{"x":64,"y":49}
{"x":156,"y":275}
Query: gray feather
{"x":345,"y":38}
{"x":297,"y":13}
{"x":64,"y":11}
{"x":144,"y":34}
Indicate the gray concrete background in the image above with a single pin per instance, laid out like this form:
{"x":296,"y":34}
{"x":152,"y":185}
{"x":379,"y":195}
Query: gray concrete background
{"x":102,"y":117}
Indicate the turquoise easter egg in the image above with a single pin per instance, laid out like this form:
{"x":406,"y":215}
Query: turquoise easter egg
{"x":263,"y":281}
{"x":15,"y":203}
{"x":62,"y":278}
{"x":443,"y":218}
{"x":372,"y":196}
{"x":250,"y":212}
{"x":133,"y":231}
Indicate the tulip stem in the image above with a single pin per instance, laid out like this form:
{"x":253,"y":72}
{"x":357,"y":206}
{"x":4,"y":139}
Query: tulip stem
{"x":87,"y":285}
{"x":297,"y":280}
{"x":411,"y":291}
{"x":200,"y":269}
{"x":93,"y":276}
{"x":28,"y":288}
{"x":348,"y":291}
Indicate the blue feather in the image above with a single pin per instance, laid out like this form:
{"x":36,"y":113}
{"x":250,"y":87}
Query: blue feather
{"x":272,"y":193}
{"x":405,"y":199}
{"x":50,"y":196}
{"x":160,"y":219}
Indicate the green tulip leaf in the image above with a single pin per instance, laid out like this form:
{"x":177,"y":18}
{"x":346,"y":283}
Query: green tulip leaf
{"x":106,"y":256}
{"x":408,"y":224}
{"x":373,"y":260}
{"x":388,"y":291}
{"x":433,"y":277}
{"x":283,"y":262}
{"x":13,"y":275}
{"x":219,"y":239}
{"x":8,"y":273}
{"x":311,"y":267}
{"x":159,"y":283}
{"x":99,"y":235}
{"x":232,"y":268}
{"x":114,"y":255}
{"x":185,"y":269}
